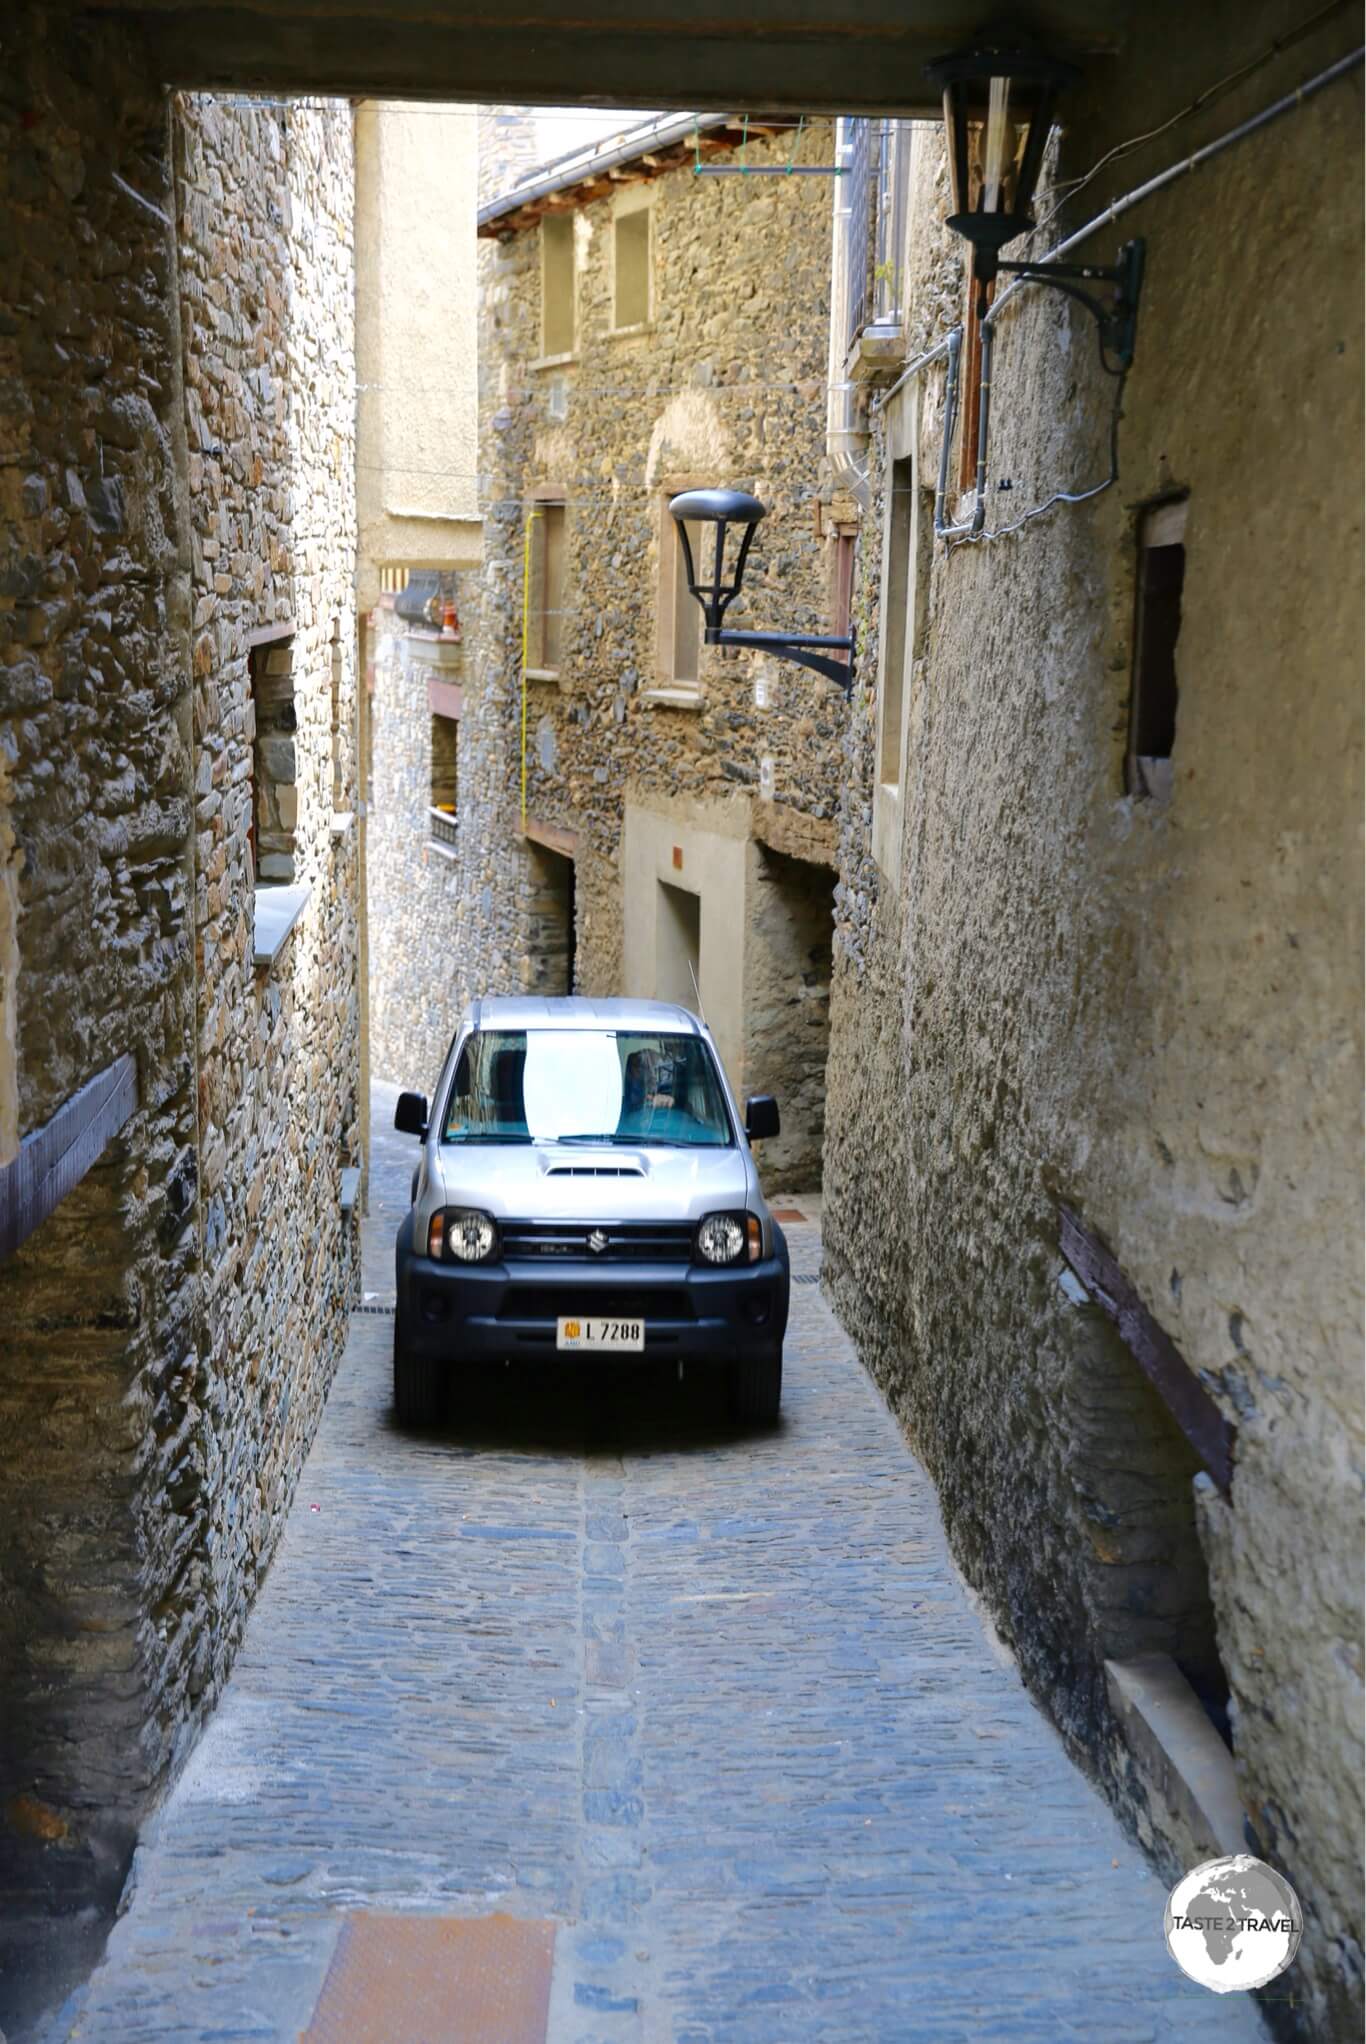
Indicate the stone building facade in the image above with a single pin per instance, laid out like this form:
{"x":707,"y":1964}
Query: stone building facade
{"x":631,"y":815}
{"x":269,"y":366}
{"x":178,"y":707}
{"x":1072,"y":978}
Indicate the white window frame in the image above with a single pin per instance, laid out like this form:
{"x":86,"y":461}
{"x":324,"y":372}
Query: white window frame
{"x":889,"y":798}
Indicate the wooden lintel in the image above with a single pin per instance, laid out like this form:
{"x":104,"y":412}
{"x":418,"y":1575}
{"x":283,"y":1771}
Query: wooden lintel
{"x":1152,"y":1348}
{"x":56,"y":1157}
{"x":553,"y":836}
{"x":445,"y":698}
{"x":270,"y":635}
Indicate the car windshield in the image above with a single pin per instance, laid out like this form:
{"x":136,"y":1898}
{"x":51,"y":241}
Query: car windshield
{"x":586,"y":1086}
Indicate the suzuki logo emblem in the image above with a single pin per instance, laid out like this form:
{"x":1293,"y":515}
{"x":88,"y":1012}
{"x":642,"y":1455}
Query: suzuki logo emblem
{"x":597,"y":1242}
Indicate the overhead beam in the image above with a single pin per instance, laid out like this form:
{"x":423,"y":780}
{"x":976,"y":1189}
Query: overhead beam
{"x":772,"y":56}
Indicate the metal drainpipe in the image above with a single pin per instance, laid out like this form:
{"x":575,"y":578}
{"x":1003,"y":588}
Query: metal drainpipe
{"x":844,"y":440}
{"x":950,"y":421}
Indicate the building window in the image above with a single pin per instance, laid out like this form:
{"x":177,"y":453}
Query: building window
{"x":842,"y":569}
{"x":274,"y":790}
{"x":1157,"y":626}
{"x":908,"y":543}
{"x":687,"y":618}
{"x":557,"y":284}
{"x":680,"y":614}
{"x":631,"y":263}
{"x":895,"y":622}
{"x":445,"y":752}
{"x":340,"y":763}
{"x":545,"y":621}
{"x":870,"y":224}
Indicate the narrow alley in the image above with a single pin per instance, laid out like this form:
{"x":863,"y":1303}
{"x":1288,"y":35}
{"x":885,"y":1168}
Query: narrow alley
{"x":714,"y":1708}
{"x":734,"y":623}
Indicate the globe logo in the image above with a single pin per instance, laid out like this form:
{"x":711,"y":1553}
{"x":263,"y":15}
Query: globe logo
{"x":1233,"y":1923}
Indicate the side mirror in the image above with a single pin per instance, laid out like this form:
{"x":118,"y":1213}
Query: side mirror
{"x":761,"y":1116}
{"x":410,"y":1116}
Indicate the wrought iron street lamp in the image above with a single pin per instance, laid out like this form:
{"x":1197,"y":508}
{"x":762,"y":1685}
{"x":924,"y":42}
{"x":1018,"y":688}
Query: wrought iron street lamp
{"x":999,"y":99}
{"x":717,"y":588}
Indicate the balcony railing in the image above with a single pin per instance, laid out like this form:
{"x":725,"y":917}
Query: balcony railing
{"x":875,"y":226}
{"x":442,"y":827}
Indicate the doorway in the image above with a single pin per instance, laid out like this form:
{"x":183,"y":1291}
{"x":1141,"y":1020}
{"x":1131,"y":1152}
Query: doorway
{"x":550,"y":954}
{"x":678,"y":946}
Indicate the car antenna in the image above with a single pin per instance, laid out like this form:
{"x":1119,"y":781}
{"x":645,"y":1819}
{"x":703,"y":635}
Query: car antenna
{"x":692,"y":975}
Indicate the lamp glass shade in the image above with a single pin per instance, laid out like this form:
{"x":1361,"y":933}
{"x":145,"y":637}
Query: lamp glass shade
{"x":998,"y":111}
{"x":716,"y":574}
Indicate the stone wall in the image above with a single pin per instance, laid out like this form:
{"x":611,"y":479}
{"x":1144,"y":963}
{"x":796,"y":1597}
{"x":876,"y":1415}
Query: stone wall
{"x":1150,"y":1009}
{"x":101,"y":1517}
{"x":726,"y":382}
{"x":264,"y":213}
{"x":445,"y":918}
{"x":177,"y":478}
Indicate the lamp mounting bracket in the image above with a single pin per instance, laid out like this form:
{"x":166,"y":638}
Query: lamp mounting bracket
{"x":799,"y":647}
{"x":1117,"y":319}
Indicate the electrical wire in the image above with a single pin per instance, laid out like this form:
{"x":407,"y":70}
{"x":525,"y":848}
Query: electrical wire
{"x":1069,"y":188}
{"x":1062,"y":496}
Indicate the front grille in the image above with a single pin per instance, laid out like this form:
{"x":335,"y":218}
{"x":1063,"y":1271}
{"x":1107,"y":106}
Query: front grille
{"x":626,"y":1241}
{"x":611,"y":1302}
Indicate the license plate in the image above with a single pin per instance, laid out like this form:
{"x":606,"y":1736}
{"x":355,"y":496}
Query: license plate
{"x":600,"y":1334}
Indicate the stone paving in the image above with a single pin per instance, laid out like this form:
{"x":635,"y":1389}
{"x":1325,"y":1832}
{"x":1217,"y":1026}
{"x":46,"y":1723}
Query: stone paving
{"x":714,"y":1704}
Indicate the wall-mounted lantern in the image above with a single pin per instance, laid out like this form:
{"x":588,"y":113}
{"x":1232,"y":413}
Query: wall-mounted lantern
{"x":999,"y":99}
{"x":717,"y":588}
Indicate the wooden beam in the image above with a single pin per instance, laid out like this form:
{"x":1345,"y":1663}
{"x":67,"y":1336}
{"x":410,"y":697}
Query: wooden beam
{"x":1151,"y":1347}
{"x":445,"y":698}
{"x":57,"y":1156}
{"x":553,"y":837}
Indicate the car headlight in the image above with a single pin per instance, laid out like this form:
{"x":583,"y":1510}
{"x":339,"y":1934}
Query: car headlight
{"x":466,"y":1235}
{"x":730,"y":1238}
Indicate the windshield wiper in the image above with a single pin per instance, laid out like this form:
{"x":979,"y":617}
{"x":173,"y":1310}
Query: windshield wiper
{"x":475,"y":1135}
{"x":592,"y":1135}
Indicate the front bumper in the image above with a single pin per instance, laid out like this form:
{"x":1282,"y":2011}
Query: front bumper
{"x":500,"y":1311}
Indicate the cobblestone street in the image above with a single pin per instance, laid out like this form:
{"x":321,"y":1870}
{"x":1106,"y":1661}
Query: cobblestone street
{"x":714,"y":1706}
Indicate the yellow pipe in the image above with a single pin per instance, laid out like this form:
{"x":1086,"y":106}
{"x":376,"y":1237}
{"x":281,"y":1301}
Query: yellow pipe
{"x":526,"y":636}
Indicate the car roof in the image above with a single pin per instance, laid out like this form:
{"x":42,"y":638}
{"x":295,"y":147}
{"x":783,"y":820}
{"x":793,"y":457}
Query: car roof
{"x":575,"y":1011}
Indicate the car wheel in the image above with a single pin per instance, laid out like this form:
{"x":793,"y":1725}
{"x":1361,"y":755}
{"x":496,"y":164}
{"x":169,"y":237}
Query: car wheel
{"x":417,"y":1386}
{"x":756,"y":1389}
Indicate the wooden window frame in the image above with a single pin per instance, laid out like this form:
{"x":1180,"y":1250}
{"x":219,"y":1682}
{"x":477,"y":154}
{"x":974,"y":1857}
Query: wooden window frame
{"x":670,"y":591}
{"x":635,"y":200}
{"x":1161,"y":530}
{"x":548,"y":354}
{"x":546,"y":499}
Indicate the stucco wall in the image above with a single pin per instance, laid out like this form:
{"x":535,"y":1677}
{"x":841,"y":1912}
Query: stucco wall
{"x":415,"y":255}
{"x":1151,"y":1010}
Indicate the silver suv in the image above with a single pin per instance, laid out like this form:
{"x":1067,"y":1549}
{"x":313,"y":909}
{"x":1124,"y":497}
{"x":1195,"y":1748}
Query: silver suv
{"x":586,"y":1188}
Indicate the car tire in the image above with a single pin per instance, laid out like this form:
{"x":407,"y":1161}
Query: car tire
{"x":756,"y":1389}
{"x":417,"y":1386}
